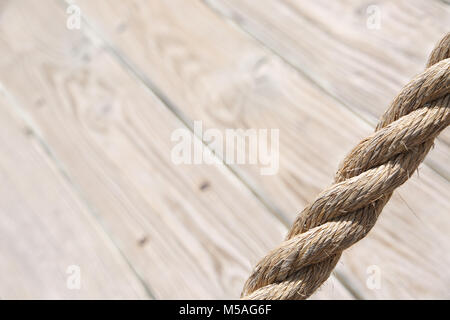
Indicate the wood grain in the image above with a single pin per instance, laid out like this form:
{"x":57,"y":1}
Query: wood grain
{"x":330,"y":44}
{"x":208,"y":69}
{"x":114,"y":138}
{"x":46,"y":227}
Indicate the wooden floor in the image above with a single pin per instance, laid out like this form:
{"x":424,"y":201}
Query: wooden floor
{"x":86,"y":117}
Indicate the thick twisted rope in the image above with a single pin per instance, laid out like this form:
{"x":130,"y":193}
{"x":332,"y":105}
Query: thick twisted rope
{"x":346,"y":211}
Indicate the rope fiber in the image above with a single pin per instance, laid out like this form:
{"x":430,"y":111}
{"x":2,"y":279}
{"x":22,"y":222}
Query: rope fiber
{"x":346,"y":211}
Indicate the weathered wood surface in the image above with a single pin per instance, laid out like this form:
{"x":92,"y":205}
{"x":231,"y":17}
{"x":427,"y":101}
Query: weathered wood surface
{"x":208,"y":69}
{"x":46,"y":228}
{"x":112,"y":136}
{"x":340,"y":48}
{"x":105,"y":99}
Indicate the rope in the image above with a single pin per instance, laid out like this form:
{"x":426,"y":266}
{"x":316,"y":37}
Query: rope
{"x":347,"y":210}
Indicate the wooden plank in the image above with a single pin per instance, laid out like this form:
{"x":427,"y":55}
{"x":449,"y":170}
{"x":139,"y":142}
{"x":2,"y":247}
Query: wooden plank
{"x":46,"y":228}
{"x":213,"y":72}
{"x":114,"y":138}
{"x":361,"y":67}
{"x":332,"y":43}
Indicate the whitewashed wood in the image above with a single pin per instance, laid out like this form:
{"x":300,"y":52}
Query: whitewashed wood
{"x":212,"y":71}
{"x":45,"y":227}
{"x":331,"y":44}
{"x":114,"y":140}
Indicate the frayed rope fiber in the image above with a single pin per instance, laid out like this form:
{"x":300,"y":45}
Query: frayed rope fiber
{"x":346,"y":211}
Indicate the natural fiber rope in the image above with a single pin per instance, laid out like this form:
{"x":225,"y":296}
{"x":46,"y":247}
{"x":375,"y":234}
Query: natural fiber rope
{"x":346,"y":211}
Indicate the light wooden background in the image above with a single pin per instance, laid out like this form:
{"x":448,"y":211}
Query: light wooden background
{"x":86,"y":116}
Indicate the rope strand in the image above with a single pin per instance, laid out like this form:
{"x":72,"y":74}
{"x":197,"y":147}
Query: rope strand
{"x":346,"y":211}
